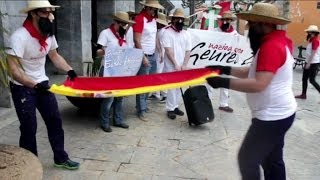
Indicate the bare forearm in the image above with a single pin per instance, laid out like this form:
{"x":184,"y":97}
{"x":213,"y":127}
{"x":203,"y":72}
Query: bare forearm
{"x":240,"y":72}
{"x":60,"y":63}
{"x":186,"y":58}
{"x":170,"y":55}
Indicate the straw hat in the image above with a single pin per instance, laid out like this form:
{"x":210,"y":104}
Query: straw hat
{"x":36,"y":4}
{"x":312,"y":28}
{"x":122,"y":16}
{"x":177,"y":13}
{"x":162,"y":19}
{"x":264,"y":12}
{"x":227,"y":15}
{"x":152,"y":3}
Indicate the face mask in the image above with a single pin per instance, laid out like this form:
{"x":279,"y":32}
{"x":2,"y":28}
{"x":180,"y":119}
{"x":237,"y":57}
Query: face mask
{"x":308,"y":37}
{"x":179,"y":25}
{"x":255,"y":39}
{"x":46,"y":27}
{"x":122,"y":31}
{"x":225,"y":26}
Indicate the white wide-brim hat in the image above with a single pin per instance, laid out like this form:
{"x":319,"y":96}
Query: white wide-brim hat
{"x":312,"y":28}
{"x":179,"y":13}
{"x":37,"y":4}
{"x":122,"y":17}
{"x":152,"y":3}
{"x":227,"y":15}
{"x":263,"y":12}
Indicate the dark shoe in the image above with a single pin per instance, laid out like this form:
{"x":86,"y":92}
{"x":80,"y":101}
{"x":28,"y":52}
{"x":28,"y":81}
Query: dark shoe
{"x":302,"y":96}
{"x":178,"y":112}
{"x":142,"y":116}
{"x":163,"y":100}
{"x":122,"y":125}
{"x":106,"y":129}
{"x":148,"y":110}
{"x":69,"y":164}
{"x":171,"y":115}
{"x":226,"y":109}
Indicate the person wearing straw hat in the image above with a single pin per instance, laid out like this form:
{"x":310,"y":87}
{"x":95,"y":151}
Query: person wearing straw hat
{"x":312,"y":59}
{"x":29,"y":84}
{"x":177,"y":44}
{"x":268,"y":86}
{"x":226,"y":19}
{"x":114,"y":36}
{"x":159,"y":53}
{"x":144,"y":35}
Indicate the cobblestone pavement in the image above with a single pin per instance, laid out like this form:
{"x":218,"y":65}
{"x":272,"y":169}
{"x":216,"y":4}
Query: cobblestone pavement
{"x":170,"y":149}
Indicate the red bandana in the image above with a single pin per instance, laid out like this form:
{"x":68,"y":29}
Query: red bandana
{"x":36,"y":34}
{"x":175,"y":29}
{"x":116,"y":34}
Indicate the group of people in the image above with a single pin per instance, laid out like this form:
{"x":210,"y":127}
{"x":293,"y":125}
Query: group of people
{"x":267,"y":82}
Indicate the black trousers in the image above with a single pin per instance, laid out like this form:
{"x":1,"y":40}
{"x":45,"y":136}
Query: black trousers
{"x":26,"y":101}
{"x":310,"y":74}
{"x":263,"y":145}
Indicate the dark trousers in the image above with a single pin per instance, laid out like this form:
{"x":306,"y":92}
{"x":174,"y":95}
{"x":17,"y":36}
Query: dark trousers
{"x":26,"y":101}
{"x":263,"y":145}
{"x":311,"y":75}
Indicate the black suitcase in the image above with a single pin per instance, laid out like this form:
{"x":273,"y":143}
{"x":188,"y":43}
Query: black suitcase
{"x":198,"y":105}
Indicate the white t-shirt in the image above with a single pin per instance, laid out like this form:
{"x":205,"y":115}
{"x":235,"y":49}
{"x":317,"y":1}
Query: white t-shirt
{"x":108,"y":39}
{"x":180,"y":42}
{"x":159,"y":37}
{"x":277,"y":101}
{"x":129,"y":37}
{"x":316,"y":57}
{"x":148,"y":36}
{"x":27,"y":48}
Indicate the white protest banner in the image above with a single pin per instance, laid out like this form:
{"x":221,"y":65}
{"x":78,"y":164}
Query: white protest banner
{"x":219,"y":48}
{"x":122,"y":61}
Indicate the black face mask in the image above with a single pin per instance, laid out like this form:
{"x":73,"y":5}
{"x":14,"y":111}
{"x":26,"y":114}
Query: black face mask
{"x":179,"y":25}
{"x":225,"y":27}
{"x":46,"y":27}
{"x":122,"y":31}
{"x":255,"y":39}
{"x":308,"y":37}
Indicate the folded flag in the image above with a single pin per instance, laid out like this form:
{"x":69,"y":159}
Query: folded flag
{"x":102,"y":87}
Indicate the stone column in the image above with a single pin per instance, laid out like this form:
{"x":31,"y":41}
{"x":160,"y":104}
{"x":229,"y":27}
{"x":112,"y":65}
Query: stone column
{"x":10,"y":20}
{"x":74,"y":32}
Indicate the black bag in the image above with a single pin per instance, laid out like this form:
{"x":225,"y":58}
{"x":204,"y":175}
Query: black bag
{"x":198,"y":105}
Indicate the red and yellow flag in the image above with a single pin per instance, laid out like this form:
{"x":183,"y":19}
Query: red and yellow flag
{"x":102,"y":87}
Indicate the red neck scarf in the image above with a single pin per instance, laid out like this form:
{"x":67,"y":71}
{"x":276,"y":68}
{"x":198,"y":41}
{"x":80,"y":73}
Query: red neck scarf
{"x":175,"y":29}
{"x":36,"y":34}
{"x":116,"y":34}
{"x":146,"y":15}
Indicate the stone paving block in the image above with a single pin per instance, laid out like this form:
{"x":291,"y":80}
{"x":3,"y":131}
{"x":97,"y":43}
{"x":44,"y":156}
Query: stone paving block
{"x":124,"y":176}
{"x":98,"y":165}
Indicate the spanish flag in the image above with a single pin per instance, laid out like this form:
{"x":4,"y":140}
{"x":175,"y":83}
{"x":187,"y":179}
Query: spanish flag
{"x":103,"y":87}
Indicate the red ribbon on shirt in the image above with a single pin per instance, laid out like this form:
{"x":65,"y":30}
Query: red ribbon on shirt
{"x":35,"y":33}
{"x":120,"y":39}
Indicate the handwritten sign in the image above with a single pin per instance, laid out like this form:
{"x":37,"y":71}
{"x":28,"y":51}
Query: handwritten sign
{"x":122,"y":61}
{"x":219,"y":48}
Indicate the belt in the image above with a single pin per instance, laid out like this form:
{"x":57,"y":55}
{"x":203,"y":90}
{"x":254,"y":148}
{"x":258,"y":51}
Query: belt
{"x":148,"y":55}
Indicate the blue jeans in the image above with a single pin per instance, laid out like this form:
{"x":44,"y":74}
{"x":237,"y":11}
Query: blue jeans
{"x":263,"y":145}
{"x":141,"y":99}
{"x":105,"y":111}
{"x":26,"y":101}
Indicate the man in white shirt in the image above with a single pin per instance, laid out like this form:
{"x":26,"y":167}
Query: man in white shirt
{"x":114,"y":36}
{"x":29,"y":85}
{"x":177,"y":44}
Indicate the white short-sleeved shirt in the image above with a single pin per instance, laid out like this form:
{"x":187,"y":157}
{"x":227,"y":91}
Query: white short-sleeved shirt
{"x":180,"y":42}
{"x":129,"y":37}
{"x":108,"y":39}
{"x":27,"y":48}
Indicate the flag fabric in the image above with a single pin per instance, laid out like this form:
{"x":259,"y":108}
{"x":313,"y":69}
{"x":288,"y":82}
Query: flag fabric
{"x":103,"y":87}
{"x":209,"y":16}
